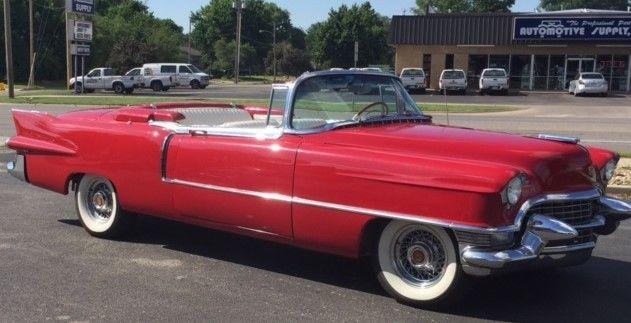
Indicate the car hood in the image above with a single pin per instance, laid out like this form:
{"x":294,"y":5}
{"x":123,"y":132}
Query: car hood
{"x":550,"y":165}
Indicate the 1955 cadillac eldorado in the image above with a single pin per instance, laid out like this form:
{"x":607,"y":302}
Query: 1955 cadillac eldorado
{"x":339,"y":162}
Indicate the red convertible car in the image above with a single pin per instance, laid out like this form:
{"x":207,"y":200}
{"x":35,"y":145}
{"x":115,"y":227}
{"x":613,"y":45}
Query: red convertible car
{"x":339,"y":162}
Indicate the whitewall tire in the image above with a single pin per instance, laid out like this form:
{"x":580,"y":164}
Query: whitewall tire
{"x":417,"y":264}
{"x":98,"y":208}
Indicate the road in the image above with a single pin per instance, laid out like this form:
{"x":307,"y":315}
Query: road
{"x":604,"y":122}
{"x":51,"y":269}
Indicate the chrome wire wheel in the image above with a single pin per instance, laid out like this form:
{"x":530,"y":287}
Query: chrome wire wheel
{"x":97,"y":205}
{"x":417,"y":263}
{"x":419,"y":256}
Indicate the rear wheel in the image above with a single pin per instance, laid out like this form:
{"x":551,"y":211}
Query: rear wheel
{"x":417,"y":264}
{"x":156,"y":86}
{"x":119,"y":88}
{"x":78,"y":87}
{"x":98,"y":209}
{"x":165,"y":88}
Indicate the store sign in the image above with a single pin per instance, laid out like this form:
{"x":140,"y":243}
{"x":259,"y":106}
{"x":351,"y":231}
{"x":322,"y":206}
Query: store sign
{"x":80,"y":6}
{"x":82,"y":31}
{"x":564,"y":28}
{"x":80,"y":50}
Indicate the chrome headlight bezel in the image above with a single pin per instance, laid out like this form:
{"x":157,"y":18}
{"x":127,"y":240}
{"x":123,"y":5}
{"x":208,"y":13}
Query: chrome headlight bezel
{"x":607,"y":172}
{"x":512,"y":192}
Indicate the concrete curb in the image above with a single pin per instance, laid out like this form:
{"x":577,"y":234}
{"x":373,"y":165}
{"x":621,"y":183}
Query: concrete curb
{"x":619,"y":190}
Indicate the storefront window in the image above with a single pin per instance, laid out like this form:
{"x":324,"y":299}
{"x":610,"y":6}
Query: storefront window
{"x":520,"y":72}
{"x":603,"y":66}
{"x":619,"y":72}
{"x":540,"y":81}
{"x":476,"y":64}
{"x":556,"y":72}
{"x":500,"y":61}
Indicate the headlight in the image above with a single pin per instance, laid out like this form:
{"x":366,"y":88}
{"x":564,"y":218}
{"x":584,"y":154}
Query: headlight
{"x":607,"y":172}
{"x":512,"y":192}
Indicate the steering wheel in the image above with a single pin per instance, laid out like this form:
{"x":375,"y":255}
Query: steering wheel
{"x":384,"y":110}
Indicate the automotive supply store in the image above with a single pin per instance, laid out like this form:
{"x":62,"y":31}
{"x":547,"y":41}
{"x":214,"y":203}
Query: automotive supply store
{"x":540,"y":51}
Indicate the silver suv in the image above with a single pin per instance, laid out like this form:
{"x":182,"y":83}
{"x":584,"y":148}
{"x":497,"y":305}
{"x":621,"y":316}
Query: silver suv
{"x":493,"y":80}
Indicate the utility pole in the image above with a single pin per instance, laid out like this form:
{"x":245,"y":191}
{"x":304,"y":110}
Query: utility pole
{"x":238,"y":5}
{"x":8,"y":47}
{"x":68,"y":54}
{"x":274,"y":48}
{"x":31,"y":79}
{"x":189,"y":37}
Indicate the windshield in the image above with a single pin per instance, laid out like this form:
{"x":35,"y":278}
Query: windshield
{"x":328,"y":100}
{"x":453,"y":75}
{"x":494,"y":73}
{"x":592,"y":76}
{"x":194,"y":69}
{"x":415,"y":72}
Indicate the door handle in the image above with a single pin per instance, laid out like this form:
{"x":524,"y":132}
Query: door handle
{"x":197,"y":132}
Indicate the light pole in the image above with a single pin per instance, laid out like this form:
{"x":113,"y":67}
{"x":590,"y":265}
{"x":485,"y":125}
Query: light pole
{"x":273,"y":32}
{"x":239,"y":5}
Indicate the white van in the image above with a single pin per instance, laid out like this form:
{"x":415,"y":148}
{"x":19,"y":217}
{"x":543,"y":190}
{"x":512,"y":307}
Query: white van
{"x":184,"y":74}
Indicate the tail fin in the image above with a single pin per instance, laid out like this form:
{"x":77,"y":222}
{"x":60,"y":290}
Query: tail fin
{"x":38,"y":133}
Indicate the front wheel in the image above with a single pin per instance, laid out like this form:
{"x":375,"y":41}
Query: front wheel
{"x":417,"y":264}
{"x":195,"y":84}
{"x":98,"y":209}
{"x":119,"y":88}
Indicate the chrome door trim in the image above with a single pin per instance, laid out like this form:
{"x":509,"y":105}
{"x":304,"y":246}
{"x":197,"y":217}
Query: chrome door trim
{"x":388,"y":214}
{"x":261,"y":134}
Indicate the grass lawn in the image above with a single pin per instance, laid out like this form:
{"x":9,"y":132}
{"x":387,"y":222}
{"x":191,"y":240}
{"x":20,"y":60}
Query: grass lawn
{"x":625,"y":154}
{"x":64,"y":97}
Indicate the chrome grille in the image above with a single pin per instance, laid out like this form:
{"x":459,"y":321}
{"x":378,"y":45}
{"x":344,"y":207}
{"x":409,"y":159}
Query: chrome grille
{"x":572,"y":212}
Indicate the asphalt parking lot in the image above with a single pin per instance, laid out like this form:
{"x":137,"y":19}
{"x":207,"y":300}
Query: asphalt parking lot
{"x":52,"y":269}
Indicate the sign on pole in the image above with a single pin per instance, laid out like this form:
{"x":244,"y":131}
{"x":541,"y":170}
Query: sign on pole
{"x":80,"y":50}
{"x":356,"y":52}
{"x":82,"y":31}
{"x":80,"y":6}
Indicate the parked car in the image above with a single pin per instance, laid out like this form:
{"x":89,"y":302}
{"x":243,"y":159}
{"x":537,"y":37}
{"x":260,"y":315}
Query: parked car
{"x":372,"y":69}
{"x":185,"y":74}
{"x":103,"y":78}
{"x":452,"y":80}
{"x":144,"y":78}
{"x":493,"y":80}
{"x":588,"y":83}
{"x":341,"y":171}
{"x":413,"y":78}
{"x":336,"y":69}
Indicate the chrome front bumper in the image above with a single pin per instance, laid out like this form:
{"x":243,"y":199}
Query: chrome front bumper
{"x":531,"y":248}
{"x":17,"y":168}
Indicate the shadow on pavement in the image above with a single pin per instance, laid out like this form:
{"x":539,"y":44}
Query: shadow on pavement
{"x":599,"y":290}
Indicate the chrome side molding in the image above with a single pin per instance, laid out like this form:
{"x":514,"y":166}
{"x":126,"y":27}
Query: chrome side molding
{"x":570,"y":140}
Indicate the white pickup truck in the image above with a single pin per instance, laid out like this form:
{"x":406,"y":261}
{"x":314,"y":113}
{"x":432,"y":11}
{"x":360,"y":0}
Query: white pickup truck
{"x":103,"y":78}
{"x":145,"y":78}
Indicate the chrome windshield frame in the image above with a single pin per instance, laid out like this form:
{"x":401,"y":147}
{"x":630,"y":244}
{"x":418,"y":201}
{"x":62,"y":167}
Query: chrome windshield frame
{"x":291,"y":97}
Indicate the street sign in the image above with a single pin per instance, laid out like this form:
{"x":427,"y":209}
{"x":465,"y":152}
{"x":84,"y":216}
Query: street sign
{"x":80,"y":50}
{"x":572,"y":28}
{"x":80,"y":6}
{"x":82,"y":31}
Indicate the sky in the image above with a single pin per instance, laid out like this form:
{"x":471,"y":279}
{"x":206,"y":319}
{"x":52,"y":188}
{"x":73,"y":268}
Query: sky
{"x":303,"y":12}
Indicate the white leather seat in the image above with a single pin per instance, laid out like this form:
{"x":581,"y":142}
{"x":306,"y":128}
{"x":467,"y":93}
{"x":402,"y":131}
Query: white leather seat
{"x":212,"y":116}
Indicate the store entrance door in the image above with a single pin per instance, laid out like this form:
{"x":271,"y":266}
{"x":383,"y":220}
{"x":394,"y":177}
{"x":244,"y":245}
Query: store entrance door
{"x":573,"y":66}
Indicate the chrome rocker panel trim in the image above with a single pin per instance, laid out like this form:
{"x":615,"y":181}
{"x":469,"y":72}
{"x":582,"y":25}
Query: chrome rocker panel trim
{"x":17,"y":168}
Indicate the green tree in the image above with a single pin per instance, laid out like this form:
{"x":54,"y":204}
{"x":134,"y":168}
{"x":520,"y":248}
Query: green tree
{"x":460,"y":6}
{"x":224,"y":56}
{"x":217,"y":20}
{"x":331,"y":43}
{"x":552,"y":5}
{"x":289,"y":60}
{"x":126,"y":35}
